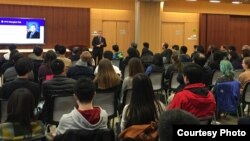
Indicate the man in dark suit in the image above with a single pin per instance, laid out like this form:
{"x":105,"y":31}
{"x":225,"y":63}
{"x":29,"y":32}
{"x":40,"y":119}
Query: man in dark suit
{"x":98,"y":44}
{"x":33,"y":33}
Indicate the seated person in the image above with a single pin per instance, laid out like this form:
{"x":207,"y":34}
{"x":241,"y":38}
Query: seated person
{"x":23,"y":67}
{"x":85,"y":116}
{"x":194,"y":94}
{"x":117,"y":54}
{"x":174,"y":117}
{"x":21,"y":123}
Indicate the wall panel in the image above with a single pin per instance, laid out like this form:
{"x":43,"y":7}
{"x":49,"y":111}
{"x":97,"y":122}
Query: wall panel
{"x":67,"y":26}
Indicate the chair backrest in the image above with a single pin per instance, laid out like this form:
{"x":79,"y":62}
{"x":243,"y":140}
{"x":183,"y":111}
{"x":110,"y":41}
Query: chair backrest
{"x":82,"y":135}
{"x":173,"y":80}
{"x":228,"y":96}
{"x":246,"y":94}
{"x":106,"y":100}
{"x":206,"y":120}
{"x":116,"y":62}
{"x":3,"y":104}
{"x":156,"y":79}
{"x":215,"y":76}
{"x":237,"y":73}
{"x":126,"y":72}
{"x":61,"y":105}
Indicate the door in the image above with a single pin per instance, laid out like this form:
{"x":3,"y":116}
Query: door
{"x":172,"y":33}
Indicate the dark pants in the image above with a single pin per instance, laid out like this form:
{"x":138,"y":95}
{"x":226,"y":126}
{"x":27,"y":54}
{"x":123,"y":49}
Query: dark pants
{"x":97,"y":52}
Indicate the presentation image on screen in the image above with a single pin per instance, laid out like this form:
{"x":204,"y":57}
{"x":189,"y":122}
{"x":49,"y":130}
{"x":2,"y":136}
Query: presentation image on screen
{"x":21,"y":30}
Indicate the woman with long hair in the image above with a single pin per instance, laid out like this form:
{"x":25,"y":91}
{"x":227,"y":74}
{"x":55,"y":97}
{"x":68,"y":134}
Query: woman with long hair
{"x":106,"y":77}
{"x":21,"y":123}
{"x":143,"y":107}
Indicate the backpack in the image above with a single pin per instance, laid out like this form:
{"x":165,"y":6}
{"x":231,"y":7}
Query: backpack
{"x":145,"y":132}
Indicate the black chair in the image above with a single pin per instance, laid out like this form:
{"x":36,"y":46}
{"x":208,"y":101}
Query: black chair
{"x":246,"y":97}
{"x":87,"y":135}
{"x":3,"y":108}
{"x":116,"y":62}
{"x":61,"y":104}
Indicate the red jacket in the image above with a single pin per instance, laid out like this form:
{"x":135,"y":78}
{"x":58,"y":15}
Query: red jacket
{"x":196,"y":99}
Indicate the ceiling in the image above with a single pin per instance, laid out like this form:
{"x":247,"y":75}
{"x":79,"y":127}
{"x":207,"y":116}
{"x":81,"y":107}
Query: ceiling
{"x":224,"y":1}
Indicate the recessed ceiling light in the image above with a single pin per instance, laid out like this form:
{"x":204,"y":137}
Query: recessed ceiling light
{"x":236,"y":2}
{"x":214,"y":1}
{"x":191,"y":0}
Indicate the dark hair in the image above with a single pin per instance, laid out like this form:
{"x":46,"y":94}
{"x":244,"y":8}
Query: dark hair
{"x":12,"y":47}
{"x":16,"y":56}
{"x":234,"y":55}
{"x":76,"y":50}
{"x":157,"y":59}
{"x":37,"y":50}
{"x":56,"y":48}
{"x":199,"y":58}
{"x":135,"y":66}
{"x":108,"y":54}
{"x":85,"y":90}
{"x":232,"y":48}
{"x":200,"y":49}
{"x":175,"y":47}
{"x":133,"y":45}
{"x":143,"y":107}
{"x":146,"y":44}
{"x":177,"y":62}
{"x":23,"y":66}
{"x":132,"y":52}
{"x":245,"y":53}
{"x":21,"y":105}
{"x":57,"y":66}
{"x":49,"y":56}
{"x":174,"y":117}
{"x":184,"y":49}
{"x":165,"y":45}
{"x":61,"y":50}
{"x":115,"y":48}
{"x":193,"y":72}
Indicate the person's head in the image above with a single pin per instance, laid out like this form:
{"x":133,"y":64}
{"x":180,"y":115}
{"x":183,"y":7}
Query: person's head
{"x":99,"y":33}
{"x":226,"y":68}
{"x":245,"y":53}
{"x":84,"y":90}
{"x":157,"y":59}
{"x":23,"y":66}
{"x":38,"y":50}
{"x":57,"y":66}
{"x":175,"y":47}
{"x":108,"y":55}
{"x":76,"y":50}
{"x":56,"y":48}
{"x":15,"y":57}
{"x":20,"y":108}
{"x":175,"y":58}
{"x":86,"y":56}
{"x":200,"y":49}
{"x":49,"y":56}
{"x":232,"y":55}
{"x":165,"y":45}
{"x":199,"y":59}
{"x":146,"y":44}
{"x":134,"y":45}
{"x":32,"y":28}
{"x":115,"y":48}
{"x":106,"y":76}
{"x":62,"y":50}
{"x":245,"y":47}
{"x":174,"y":117}
{"x":192,"y":74}
{"x":143,"y":106}
{"x":218,"y":56}
{"x":135,"y":66}
{"x":246,"y":63}
{"x":132,"y":52}
{"x":184,"y":49}
{"x":232,"y":48}
{"x":12,"y":47}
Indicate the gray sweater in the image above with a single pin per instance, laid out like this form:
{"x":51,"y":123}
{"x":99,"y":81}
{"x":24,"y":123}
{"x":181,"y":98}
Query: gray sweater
{"x":74,"y":120}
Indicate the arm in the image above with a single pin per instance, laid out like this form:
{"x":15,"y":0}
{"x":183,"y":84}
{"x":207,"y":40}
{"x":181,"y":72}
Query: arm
{"x":103,"y":44}
{"x":123,"y":121}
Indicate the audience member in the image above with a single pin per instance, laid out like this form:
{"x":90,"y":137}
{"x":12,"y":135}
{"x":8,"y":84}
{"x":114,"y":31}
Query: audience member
{"x":109,"y":55}
{"x":194,"y":94}
{"x":134,"y":45}
{"x":81,"y":67}
{"x":23,"y":67}
{"x":244,"y":77}
{"x":174,"y":117}
{"x":145,"y":50}
{"x":184,"y":56}
{"x":156,"y":66}
{"x":45,"y":72}
{"x":106,"y":77}
{"x":75,"y":54}
{"x":85,"y":116}
{"x":166,"y":53}
{"x":117,"y":54}
{"x":227,"y":70}
{"x":143,"y":107}
{"x":21,"y":123}
{"x":11,"y":48}
{"x":234,"y":58}
{"x":61,"y":56}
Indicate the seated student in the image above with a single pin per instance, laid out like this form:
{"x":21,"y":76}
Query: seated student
{"x":67,"y":62}
{"x":227,"y":70}
{"x":157,"y":65}
{"x":21,"y":123}
{"x":143,"y":107}
{"x":23,"y":67}
{"x":174,"y":117}
{"x":194,"y":94}
{"x":85,"y":116}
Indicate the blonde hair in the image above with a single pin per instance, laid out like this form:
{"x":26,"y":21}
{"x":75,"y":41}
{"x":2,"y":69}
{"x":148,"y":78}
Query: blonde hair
{"x":106,"y":76}
{"x":86,"y":56}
